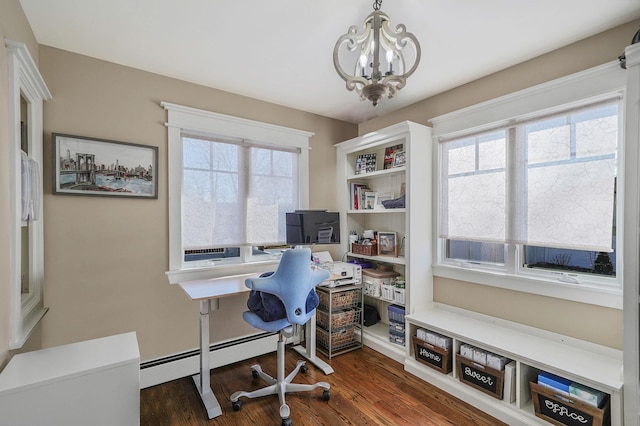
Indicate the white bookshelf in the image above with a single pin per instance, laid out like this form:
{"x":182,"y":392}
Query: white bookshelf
{"x":412,"y":224}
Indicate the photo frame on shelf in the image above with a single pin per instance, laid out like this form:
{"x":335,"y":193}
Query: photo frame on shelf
{"x":380,"y":197}
{"x":399,"y":159}
{"x":389,"y":154}
{"x":369,"y":200}
{"x":365,"y":163}
{"x":388,"y":244}
{"x":100,"y":167}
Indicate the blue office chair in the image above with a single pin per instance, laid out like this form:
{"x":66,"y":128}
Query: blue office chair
{"x":293,"y":283}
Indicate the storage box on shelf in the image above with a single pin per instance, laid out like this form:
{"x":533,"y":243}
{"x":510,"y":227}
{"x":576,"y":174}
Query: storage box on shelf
{"x":514,"y":356}
{"x":562,"y":401}
{"x":433,"y":349}
{"x":411,"y":177}
{"x":397,"y":332}
{"x":565,"y":409}
{"x":480,"y":376}
{"x":365,"y":249}
{"x":433,"y":356}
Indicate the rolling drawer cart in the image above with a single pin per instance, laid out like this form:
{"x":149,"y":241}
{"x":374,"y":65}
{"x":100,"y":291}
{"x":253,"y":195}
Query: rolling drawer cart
{"x":339,"y":319}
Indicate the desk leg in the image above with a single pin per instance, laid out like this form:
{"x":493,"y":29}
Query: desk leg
{"x":203,"y":380}
{"x":310,"y":351}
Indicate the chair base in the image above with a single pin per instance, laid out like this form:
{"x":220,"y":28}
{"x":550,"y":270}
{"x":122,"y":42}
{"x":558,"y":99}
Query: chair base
{"x":280,"y":385}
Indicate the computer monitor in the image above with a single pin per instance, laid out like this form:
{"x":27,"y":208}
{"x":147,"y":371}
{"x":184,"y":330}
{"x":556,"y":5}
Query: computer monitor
{"x":306,"y":227}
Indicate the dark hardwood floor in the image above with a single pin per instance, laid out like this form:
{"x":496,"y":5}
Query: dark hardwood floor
{"x":367,"y":388}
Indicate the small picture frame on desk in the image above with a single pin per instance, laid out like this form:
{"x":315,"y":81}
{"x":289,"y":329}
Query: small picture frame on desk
{"x":387,"y":244}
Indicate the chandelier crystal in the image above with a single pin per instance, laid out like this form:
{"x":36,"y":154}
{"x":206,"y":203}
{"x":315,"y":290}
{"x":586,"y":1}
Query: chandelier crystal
{"x":377,"y":56}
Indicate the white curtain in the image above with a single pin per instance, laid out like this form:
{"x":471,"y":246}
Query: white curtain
{"x":236,"y":193}
{"x":546,"y":182}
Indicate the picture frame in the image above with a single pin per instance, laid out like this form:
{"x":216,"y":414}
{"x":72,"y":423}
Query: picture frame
{"x":388,"y":244}
{"x":389,"y":154}
{"x":365,"y":163}
{"x":100,"y":167}
{"x":380,"y":197}
{"x":399,"y":159}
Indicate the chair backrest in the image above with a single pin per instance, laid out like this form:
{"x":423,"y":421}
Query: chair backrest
{"x":291,"y":283}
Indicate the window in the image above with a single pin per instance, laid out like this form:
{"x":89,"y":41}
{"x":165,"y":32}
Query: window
{"x":234,"y":195}
{"x":531,"y":199}
{"x":27,"y":91}
{"x":230,"y":183}
{"x":547,"y":184}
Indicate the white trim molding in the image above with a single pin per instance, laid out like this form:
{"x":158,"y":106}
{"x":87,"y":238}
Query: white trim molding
{"x":25,"y":84}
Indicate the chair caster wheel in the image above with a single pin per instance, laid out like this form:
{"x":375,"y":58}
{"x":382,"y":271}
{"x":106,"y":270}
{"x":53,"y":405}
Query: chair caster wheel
{"x":236,"y":405}
{"x":326,"y":395}
{"x":286,"y":422}
{"x":255,"y":374}
{"x":304,"y":369}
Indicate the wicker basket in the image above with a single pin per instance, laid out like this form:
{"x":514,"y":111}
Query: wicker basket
{"x":340,"y":338}
{"x":337,"y":320}
{"x":343,"y":299}
{"x":366,"y":249}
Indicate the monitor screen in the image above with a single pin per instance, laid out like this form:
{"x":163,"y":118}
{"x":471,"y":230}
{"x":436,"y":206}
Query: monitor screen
{"x":313,"y":227}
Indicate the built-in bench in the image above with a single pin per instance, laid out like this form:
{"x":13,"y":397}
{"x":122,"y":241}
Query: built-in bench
{"x":533,"y":351}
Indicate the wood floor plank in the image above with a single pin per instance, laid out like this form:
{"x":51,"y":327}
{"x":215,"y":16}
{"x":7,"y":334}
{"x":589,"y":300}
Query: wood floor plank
{"x":367,"y":388}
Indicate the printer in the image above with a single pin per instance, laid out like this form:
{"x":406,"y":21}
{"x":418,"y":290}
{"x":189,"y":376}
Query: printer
{"x":343,"y":274}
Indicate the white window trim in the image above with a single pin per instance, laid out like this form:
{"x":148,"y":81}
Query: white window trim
{"x":25,"y":80}
{"x":594,"y":83}
{"x":181,"y":118}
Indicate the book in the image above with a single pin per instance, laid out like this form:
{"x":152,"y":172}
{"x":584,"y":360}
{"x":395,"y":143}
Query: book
{"x":389,"y":154}
{"x":354,"y":194}
{"x":509,"y":394}
{"x":361,"y":191}
{"x":369,"y":200}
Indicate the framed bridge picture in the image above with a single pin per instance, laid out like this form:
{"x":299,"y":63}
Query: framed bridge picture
{"x":90,"y":166}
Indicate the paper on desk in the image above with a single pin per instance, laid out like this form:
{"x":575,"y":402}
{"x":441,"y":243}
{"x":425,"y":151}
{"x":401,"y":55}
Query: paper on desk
{"x":323,"y":256}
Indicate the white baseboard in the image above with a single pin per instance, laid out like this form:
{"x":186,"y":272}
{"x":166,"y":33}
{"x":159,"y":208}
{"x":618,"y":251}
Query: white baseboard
{"x":185,"y":364}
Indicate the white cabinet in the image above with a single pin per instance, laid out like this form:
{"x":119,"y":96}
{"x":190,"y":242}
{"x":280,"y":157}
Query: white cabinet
{"x":411,"y":224}
{"x":95,"y":382}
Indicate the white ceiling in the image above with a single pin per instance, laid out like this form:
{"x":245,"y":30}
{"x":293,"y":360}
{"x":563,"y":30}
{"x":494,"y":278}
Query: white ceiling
{"x":281,"y":50}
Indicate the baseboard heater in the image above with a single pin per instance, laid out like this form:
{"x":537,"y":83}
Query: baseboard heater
{"x":183,"y":364}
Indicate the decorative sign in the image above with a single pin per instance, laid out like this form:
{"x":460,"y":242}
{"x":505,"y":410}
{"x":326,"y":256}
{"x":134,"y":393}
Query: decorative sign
{"x":480,"y":377}
{"x":429,"y":356}
{"x":562,"y":413}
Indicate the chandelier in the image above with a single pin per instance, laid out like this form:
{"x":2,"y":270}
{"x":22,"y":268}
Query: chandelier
{"x":376,"y":57}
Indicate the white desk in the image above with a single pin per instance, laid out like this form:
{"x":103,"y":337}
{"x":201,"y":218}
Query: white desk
{"x":209,"y":293}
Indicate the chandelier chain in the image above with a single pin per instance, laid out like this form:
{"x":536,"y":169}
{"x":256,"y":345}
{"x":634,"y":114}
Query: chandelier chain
{"x":377,"y":4}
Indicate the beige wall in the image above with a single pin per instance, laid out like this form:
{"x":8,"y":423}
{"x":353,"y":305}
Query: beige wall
{"x":13,"y":26}
{"x":106,"y":258}
{"x":597,"y":324}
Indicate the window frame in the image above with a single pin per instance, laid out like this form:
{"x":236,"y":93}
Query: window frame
{"x":182,"y":119}
{"x":587,"y":86}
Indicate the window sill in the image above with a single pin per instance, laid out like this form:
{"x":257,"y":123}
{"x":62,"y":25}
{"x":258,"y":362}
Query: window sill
{"x":583,"y":293}
{"x":209,"y":272}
